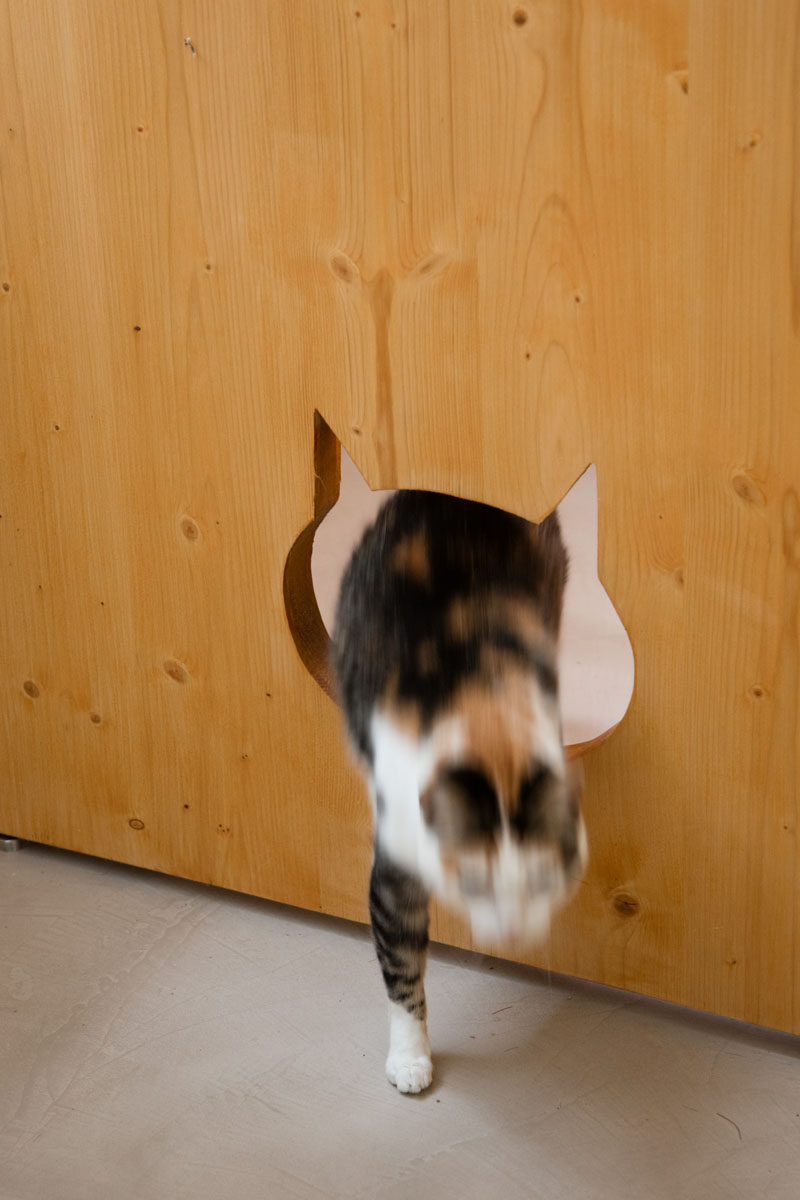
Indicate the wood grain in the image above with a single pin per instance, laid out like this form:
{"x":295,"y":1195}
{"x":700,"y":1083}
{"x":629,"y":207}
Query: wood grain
{"x":488,"y":251}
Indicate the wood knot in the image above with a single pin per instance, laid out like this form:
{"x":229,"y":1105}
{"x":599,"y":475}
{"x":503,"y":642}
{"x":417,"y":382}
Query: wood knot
{"x":189,"y":529}
{"x":520,"y":16}
{"x":432,"y":264}
{"x":748,"y":490}
{"x":344,"y":268}
{"x":135,"y":823}
{"x":625,"y":904}
{"x":30,"y":689}
{"x":176,"y":670}
{"x":681,"y":77}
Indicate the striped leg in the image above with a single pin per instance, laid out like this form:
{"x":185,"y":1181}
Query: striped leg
{"x":398,"y":907}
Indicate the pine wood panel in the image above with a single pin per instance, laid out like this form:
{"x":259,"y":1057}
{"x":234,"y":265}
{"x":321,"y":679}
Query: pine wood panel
{"x":489,"y":243}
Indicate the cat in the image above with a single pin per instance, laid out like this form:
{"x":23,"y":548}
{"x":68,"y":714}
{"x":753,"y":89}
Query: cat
{"x":444,"y":656}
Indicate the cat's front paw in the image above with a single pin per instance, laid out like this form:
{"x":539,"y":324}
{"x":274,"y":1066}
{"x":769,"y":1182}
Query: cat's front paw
{"x":409,"y":1075}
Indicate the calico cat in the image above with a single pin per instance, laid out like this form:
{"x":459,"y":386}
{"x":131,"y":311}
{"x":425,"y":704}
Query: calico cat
{"x":445,"y":660}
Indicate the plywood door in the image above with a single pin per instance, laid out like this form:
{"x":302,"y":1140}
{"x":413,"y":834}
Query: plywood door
{"x":489,"y":243}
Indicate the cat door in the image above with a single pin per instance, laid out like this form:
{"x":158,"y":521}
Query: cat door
{"x":595,"y":660}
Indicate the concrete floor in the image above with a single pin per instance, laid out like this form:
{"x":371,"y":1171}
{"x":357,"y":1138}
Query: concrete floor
{"x":160,"y":1040}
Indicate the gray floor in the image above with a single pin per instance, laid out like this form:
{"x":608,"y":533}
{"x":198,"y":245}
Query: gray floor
{"x":161,"y":1040}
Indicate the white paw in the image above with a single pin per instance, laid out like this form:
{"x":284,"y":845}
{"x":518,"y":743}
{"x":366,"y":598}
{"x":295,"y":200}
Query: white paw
{"x":409,"y":1074}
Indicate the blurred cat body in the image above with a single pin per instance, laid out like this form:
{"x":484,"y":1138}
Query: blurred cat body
{"x":445,"y":659}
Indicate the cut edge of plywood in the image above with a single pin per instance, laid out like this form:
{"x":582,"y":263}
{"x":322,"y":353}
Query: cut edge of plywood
{"x":302,"y":611}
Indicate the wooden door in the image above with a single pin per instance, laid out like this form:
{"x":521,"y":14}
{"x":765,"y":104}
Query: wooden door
{"x":488,"y":243}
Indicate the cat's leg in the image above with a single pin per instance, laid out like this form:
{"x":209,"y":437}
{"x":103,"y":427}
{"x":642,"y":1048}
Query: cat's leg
{"x":398,"y":907}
